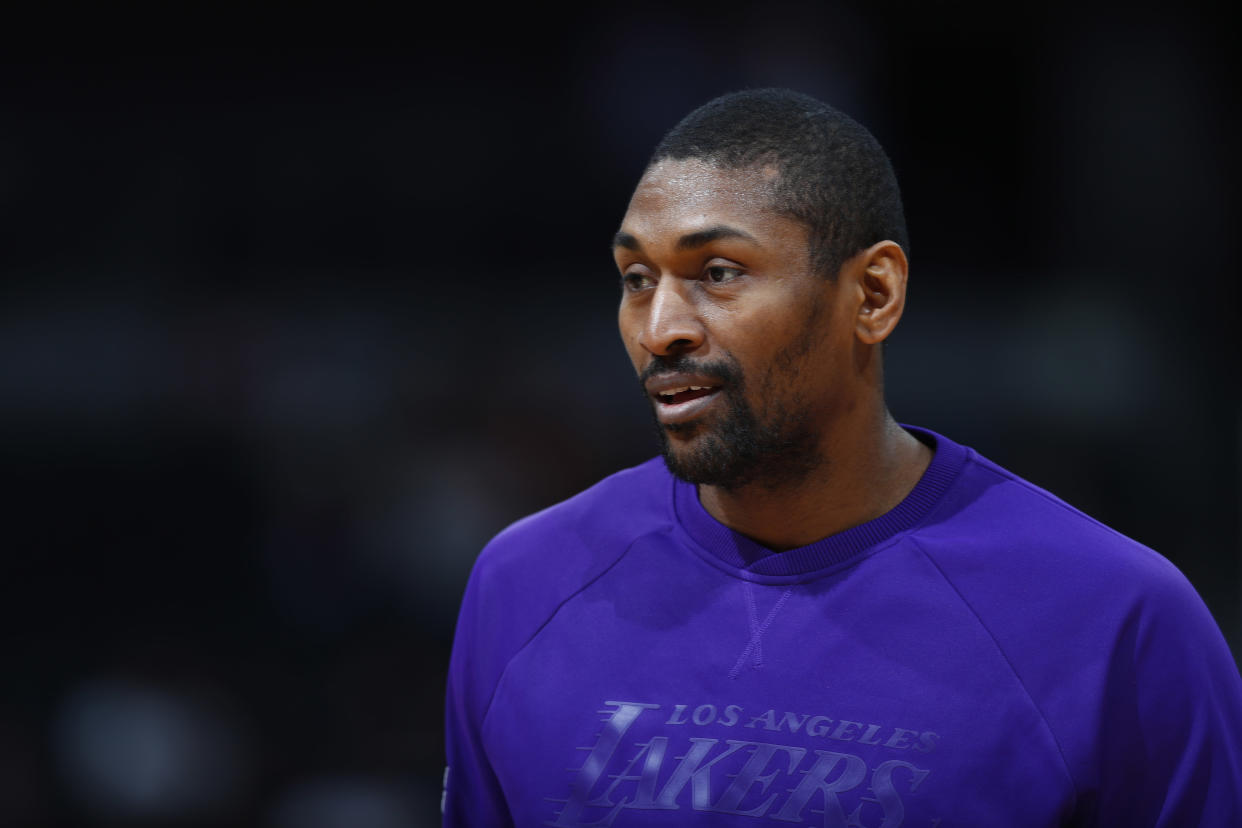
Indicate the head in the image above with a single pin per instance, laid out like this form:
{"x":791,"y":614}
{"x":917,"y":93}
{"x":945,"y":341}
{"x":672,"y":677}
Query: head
{"x":829,"y":173}
{"x":759,"y":277}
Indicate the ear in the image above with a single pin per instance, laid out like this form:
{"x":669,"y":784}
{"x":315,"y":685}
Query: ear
{"x":882,"y":270}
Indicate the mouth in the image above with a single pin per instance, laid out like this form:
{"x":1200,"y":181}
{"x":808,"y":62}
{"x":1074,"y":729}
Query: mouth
{"x":676,"y":396}
{"x":678,"y":401}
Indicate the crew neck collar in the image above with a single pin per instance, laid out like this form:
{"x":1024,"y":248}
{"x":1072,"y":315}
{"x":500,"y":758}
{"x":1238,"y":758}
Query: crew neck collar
{"x":738,"y":551}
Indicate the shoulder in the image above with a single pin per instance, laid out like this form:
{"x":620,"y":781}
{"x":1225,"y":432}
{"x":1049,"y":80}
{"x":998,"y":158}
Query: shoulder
{"x":1105,"y":635}
{"x":1020,"y":533}
{"x":1037,"y":571}
{"x":529,"y":571}
{"x":1053,"y":586}
{"x":584,"y":530}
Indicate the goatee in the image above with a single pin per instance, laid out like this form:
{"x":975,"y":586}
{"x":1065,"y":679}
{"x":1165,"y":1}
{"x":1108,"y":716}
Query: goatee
{"x":738,"y":447}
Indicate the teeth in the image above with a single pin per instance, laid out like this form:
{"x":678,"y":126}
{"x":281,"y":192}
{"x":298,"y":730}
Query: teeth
{"x":673,"y":391}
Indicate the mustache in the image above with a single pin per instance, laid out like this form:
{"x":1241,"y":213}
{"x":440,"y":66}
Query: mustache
{"x":682,"y":364}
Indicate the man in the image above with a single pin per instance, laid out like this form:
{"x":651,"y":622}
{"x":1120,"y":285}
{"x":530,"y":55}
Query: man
{"x":806,"y":613}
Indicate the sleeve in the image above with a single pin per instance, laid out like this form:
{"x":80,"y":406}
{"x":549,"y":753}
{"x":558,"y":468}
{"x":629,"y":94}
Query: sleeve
{"x":472,"y":793}
{"x":1172,"y":719}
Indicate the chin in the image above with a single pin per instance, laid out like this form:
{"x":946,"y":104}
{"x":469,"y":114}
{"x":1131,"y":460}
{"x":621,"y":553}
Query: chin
{"x":735,"y":455}
{"x":704,"y":461}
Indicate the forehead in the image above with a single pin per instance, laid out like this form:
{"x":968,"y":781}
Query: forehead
{"x":692,"y":194}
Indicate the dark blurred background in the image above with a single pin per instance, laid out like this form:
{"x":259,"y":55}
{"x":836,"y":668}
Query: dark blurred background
{"x":298,"y":311}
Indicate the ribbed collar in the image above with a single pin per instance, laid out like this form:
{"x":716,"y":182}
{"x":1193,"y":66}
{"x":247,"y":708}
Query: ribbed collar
{"x":738,"y":551}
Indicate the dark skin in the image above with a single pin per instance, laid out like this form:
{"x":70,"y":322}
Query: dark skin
{"x":710,"y":271}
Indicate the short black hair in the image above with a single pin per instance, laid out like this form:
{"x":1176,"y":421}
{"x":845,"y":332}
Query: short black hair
{"x":833,"y":175}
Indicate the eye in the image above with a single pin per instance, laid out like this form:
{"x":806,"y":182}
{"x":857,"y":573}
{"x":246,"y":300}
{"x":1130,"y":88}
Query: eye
{"x":635,"y":281}
{"x":719,"y":274}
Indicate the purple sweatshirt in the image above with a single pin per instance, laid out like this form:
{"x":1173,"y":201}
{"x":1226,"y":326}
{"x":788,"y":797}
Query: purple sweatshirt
{"x":981,"y":655}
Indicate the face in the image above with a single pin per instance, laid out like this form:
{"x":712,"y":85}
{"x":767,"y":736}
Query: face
{"x":744,"y":353}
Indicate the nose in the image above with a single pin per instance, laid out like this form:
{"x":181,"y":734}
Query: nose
{"x":672,"y":324}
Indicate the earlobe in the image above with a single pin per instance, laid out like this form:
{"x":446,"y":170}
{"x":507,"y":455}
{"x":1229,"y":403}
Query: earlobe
{"x":882,"y":282}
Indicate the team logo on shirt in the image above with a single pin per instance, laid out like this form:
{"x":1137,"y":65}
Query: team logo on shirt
{"x":746,"y":776}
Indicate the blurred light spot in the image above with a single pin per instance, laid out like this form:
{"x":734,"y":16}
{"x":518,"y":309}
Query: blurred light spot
{"x":1084,"y":357}
{"x":88,"y":362}
{"x":348,"y":802}
{"x":125,"y":750}
{"x":327,"y":372}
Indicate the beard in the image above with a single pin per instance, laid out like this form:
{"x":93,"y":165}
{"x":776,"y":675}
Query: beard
{"x":740,"y":447}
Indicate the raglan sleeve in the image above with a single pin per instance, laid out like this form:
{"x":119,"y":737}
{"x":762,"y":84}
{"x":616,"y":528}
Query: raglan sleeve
{"x":472,"y":794}
{"x":1172,"y":746}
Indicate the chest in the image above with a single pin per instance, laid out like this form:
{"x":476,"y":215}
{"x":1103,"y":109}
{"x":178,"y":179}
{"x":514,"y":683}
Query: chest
{"x":774,"y":707}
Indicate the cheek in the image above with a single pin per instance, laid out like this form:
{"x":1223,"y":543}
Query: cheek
{"x":751,"y":337}
{"x":629,"y":338}
{"x":786,"y":349}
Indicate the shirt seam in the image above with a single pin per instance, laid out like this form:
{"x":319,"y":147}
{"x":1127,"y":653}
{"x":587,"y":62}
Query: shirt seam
{"x":1008,"y":663}
{"x":984,"y":464}
{"x":585,"y":585}
{"x":797,"y":578}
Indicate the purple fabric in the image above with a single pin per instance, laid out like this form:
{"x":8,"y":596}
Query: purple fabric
{"x":983,"y":654}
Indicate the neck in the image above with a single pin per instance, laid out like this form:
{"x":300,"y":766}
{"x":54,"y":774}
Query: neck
{"x":866,"y":471}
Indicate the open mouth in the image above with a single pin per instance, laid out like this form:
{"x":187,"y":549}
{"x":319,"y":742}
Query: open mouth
{"x":676,"y":396}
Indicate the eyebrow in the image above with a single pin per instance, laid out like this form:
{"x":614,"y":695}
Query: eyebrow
{"x":690,"y":240}
{"x":711,"y":234}
{"x":624,"y":239}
